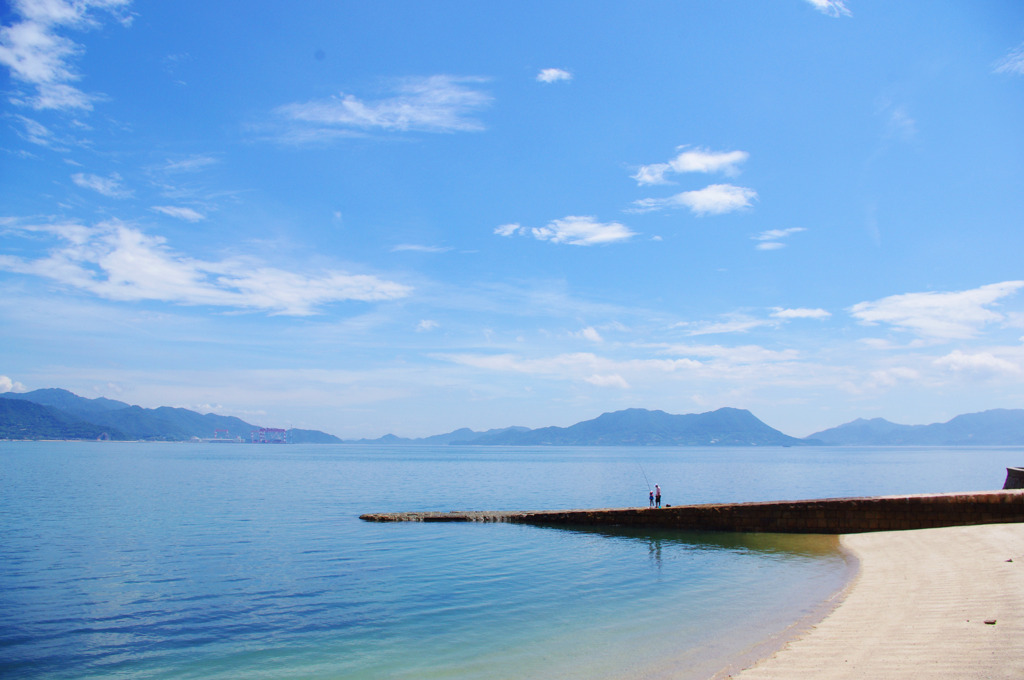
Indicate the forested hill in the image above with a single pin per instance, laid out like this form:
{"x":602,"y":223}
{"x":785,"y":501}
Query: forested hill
{"x":60,"y":414}
{"x":640,"y":427}
{"x":21,"y":419}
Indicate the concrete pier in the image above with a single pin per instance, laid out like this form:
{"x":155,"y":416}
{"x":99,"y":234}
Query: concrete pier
{"x":821,"y":516}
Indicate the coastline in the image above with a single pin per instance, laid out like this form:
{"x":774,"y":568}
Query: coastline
{"x":935,"y":603}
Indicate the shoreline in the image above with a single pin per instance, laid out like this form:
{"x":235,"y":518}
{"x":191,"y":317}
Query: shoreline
{"x":935,"y":603}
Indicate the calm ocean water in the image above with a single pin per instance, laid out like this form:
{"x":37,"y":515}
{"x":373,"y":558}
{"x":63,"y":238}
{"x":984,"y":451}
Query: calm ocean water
{"x":226,"y":561}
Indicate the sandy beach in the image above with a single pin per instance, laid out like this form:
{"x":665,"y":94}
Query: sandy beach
{"x":930,"y":603}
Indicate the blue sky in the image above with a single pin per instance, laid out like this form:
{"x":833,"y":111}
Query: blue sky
{"x":410,"y":217}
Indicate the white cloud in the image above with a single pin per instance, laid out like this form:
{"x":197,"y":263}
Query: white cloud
{"x":575,"y":363}
{"x":553,"y":75}
{"x":777,"y":234}
{"x":61,"y":97}
{"x":731,"y":323}
{"x":508,"y":229}
{"x":8,"y":385}
{"x":891,"y":377}
{"x":898,"y":123}
{"x":590,"y":333}
{"x":35,"y":54}
{"x":1013,"y":62}
{"x":181,"y":213}
{"x":702,"y":160}
{"x":983,"y":363}
{"x":39,"y":56}
{"x":744,"y":365}
{"x":412,"y":247}
{"x":108,"y":186}
{"x":426,"y":325}
{"x":35,"y":132}
{"x":118,"y":262}
{"x":742,"y":354}
{"x":695,"y":160}
{"x":944,"y":316}
{"x":739,"y":322}
{"x":613,"y":380}
{"x":573,"y":230}
{"x":800,"y":313}
{"x":652,"y":174}
{"x":440,"y":103}
{"x":579,"y":366}
{"x":833,"y":8}
{"x":771,"y":239}
{"x":716,"y":199}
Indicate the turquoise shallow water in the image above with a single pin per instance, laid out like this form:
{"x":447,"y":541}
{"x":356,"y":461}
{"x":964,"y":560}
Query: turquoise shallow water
{"x":225,"y":561}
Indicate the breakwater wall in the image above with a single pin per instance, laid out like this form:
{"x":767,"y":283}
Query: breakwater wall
{"x":821,"y":516}
{"x":1014,"y":478}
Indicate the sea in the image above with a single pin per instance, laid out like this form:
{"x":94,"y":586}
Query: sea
{"x":180,"y":560}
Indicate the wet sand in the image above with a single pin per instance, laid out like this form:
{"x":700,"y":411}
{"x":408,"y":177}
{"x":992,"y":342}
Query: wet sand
{"x":929,"y":603}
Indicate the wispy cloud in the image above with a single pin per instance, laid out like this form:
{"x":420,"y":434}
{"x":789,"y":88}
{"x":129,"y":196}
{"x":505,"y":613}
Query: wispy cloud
{"x":652,"y":174}
{"x":772,"y":238}
{"x":116,"y":261}
{"x":940,"y":316}
{"x":692,"y":160}
{"x":108,"y":186}
{"x":553,"y":75}
{"x":40,"y":57}
{"x":179,"y":212}
{"x":832,"y":8}
{"x":740,"y":354}
{"x":899,"y":124}
{"x":440,"y":103}
{"x":577,"y":367}
{"x":1013,"y":62}
{"x":35,"y":132}
{"x":716,"y":199}
{"x":573,"y":230}
{"x":731,"y":364}
{"x":744,"y":322}
{"x":612,"y":380}
{"x":189,"y":163}
{"x":729,"y":323}
{"x":412,"y":247}
{"x":800,"y":313}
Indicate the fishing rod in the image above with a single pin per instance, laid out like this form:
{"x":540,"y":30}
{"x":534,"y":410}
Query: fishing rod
{"x":644,"y":474}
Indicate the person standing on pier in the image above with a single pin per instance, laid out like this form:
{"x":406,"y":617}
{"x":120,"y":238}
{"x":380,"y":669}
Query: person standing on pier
{"x":652,"y":498}
{"x":657,"y":496}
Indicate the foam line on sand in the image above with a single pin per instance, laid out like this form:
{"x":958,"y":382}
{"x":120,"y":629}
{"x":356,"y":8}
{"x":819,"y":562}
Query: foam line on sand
{"x":929,"y":603}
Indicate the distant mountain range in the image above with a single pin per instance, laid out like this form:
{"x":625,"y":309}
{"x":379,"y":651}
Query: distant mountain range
{"x":737,"y":427}
{"x":59,"y":414}
{"x":998,"y":427}
{"x":632,"y":427}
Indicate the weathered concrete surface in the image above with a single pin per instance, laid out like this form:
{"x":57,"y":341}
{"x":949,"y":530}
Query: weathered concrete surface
{"x":822,"y":516}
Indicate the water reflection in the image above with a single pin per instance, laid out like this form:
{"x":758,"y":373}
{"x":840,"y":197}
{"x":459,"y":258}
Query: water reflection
{"x":782,"y":546}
